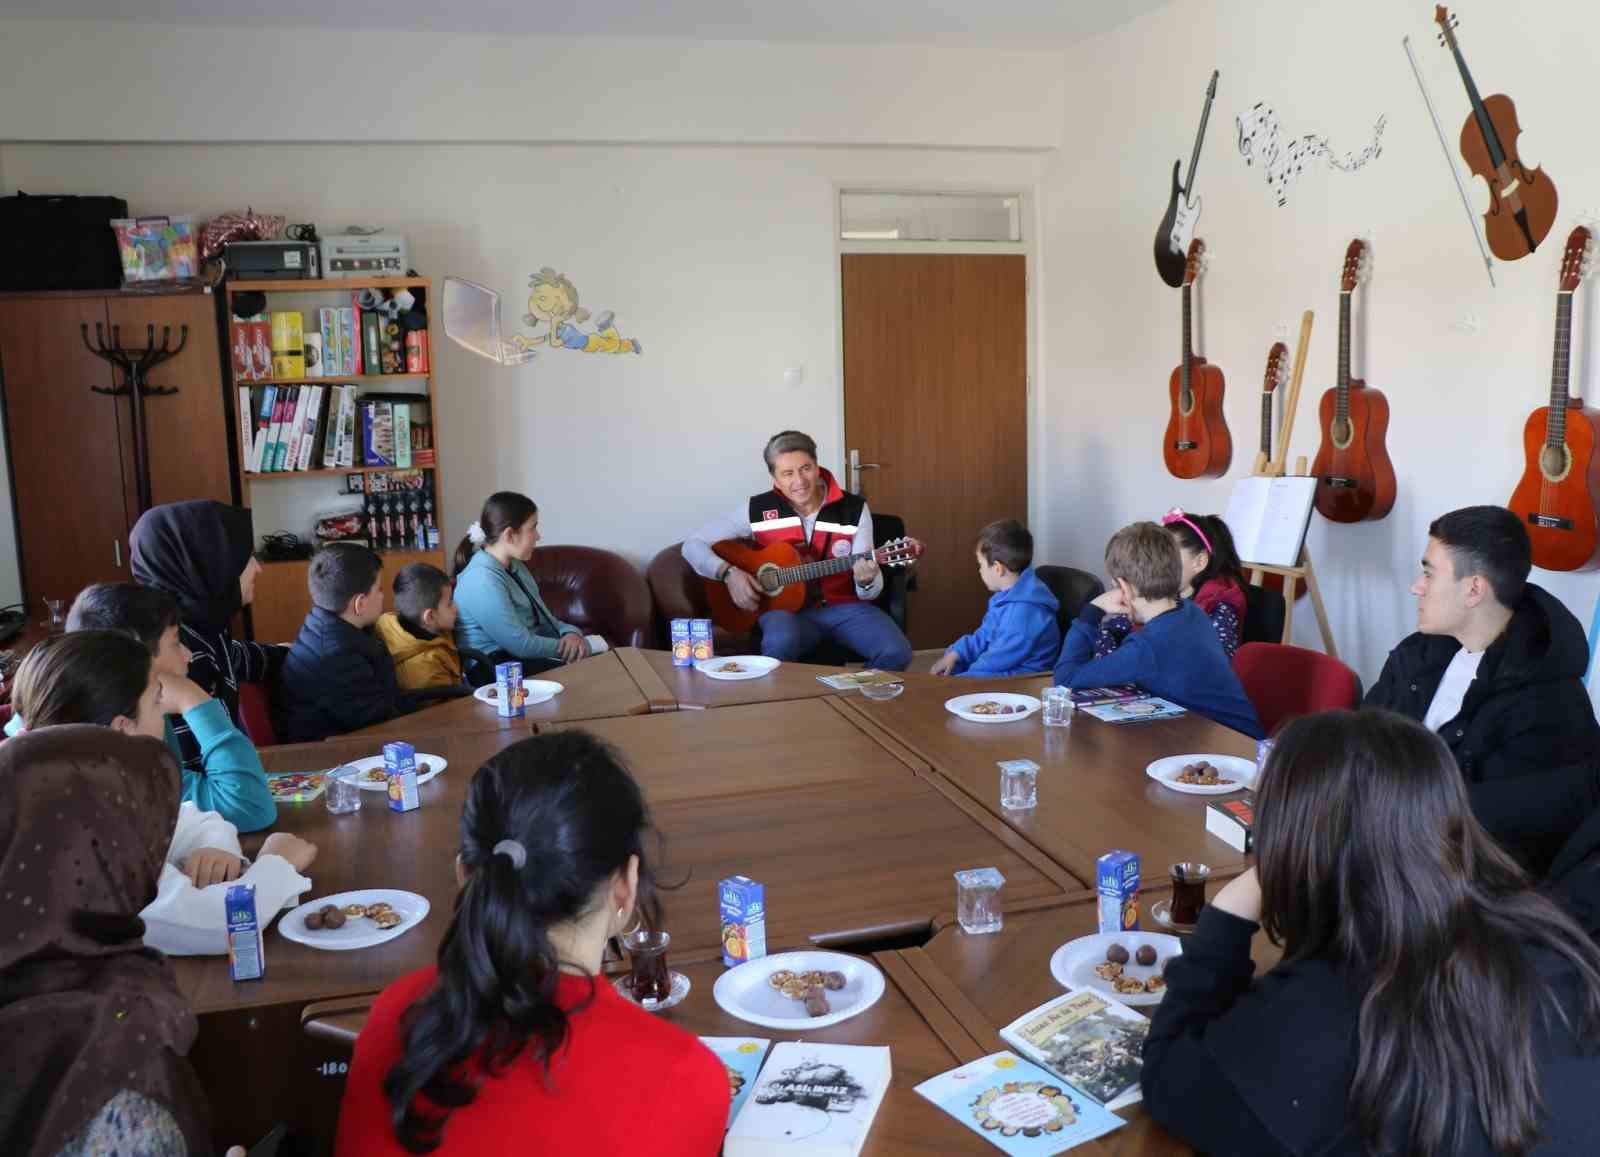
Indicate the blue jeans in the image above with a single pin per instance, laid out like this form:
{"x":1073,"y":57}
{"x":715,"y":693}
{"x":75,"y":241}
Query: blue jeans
{"x":858,"y":627}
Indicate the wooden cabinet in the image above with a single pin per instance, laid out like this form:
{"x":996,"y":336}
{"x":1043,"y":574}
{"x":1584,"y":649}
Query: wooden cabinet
{"x":70,"y":449}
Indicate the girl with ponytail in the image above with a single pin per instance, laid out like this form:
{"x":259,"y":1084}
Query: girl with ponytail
{"x":514,"y":1042}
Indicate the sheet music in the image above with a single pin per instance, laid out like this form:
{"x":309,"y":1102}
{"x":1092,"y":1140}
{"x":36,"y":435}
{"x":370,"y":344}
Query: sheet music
{"x":1268,"y":518}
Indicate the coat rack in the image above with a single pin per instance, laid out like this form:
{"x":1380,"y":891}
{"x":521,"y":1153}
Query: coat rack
{"x":136,"y":365}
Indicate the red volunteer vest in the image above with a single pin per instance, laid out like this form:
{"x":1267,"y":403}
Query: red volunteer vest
{"x":774,"y":519}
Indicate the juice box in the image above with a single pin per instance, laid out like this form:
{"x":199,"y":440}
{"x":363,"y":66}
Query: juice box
{"x":510,"y":696}
{"x":743,"y":906}
{"x":1117,"y":881}
{"x":682,"y":647}
{"x":700,"y":636}
{"x":245,"y":959}
{"x":400,"y":764}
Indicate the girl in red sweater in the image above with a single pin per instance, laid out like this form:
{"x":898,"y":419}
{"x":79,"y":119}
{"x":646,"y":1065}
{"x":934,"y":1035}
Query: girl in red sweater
{"x":514,"y":1043}
{"x":1212,"y":576}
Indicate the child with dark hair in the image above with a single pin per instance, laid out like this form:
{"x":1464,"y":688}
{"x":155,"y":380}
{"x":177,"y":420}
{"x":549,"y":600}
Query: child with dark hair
{"x":108,"y":679}
{"x":202,"y":553}
{"x":1019,"y":633}
{"x":514,"y":1041}
{"x":419,"y":632}
{"x":231,"y":780}
{"x":1174,"y":653}
{"x":339,"y":677}
{"x":1212,"y":574}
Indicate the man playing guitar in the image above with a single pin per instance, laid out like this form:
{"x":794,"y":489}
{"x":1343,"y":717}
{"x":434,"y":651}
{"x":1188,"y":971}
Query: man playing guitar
{"x":808,"y":509}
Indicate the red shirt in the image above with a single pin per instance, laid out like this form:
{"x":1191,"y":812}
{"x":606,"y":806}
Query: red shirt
{"x":623,"y":1081}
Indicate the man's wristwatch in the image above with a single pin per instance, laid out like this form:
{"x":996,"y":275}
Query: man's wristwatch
{"x":727,"y":569}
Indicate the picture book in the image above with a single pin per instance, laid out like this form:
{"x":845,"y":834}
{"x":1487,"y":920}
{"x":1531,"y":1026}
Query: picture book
{"x":295,"y":786}
{"x":741,"y":1056}
{"x":850,"y":680}
{"x":1017,"y":1106}
{"x":1116,"y":693}
{"x":816,"y":1099}
{"x":1090,"y":1040}
{"x":1136,"y":710}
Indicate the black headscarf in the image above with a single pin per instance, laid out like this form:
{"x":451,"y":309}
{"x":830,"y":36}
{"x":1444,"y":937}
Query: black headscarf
{"x":195,"y":551}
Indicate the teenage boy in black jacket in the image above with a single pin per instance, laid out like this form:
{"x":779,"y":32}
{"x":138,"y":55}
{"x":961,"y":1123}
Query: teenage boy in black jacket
{"x":1496,"y":668}
{"x":339,"y":676}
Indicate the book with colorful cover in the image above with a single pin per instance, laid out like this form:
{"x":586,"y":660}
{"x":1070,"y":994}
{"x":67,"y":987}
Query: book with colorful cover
{"x":296,"y":786}
{"x":1018,"y":1107}
{"x":1136,"y":710}
{"x":741,"y":1056}
{"x":1116,"y":693}
{"x":852,"y":680}
{"x":1092,"y":1041}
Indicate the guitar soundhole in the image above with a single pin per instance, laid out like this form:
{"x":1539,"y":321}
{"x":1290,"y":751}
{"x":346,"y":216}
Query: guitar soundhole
{"x":1185,"y":402}
{"x":1550,"y":522}
{"x":1555,"y":462}
{"x":1341,"y":432}
{"x":1187,"y":445}
{"x":767,"y":577}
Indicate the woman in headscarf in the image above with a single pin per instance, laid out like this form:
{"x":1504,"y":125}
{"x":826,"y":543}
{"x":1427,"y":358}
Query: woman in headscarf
{"x":203,"y":554}
{"x":96,"y":1031}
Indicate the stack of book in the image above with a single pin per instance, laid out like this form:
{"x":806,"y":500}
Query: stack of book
{"x":325,"y":427}
{"x":290,"y":345}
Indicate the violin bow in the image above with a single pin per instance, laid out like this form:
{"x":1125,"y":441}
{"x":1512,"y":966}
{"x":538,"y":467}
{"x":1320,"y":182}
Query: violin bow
{"x":1466,"y":204}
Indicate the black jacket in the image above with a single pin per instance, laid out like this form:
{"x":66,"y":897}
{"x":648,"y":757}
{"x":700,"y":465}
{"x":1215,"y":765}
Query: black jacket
{"x":336,"y":678}
{"x":1242,"y":1069}
{"x":1574,"y":880}
{"x":1526,"y":727}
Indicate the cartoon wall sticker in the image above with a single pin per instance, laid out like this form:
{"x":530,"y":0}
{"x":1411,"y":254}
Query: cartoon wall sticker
{"x":553,"y":305}
{"x":1261,"y":141}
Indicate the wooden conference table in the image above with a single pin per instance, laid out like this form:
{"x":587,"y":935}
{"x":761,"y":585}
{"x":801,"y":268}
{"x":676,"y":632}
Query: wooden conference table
{"x":853,"y":814}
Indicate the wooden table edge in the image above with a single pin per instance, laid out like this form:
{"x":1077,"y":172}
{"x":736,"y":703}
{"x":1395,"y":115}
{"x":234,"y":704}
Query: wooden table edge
{"x":658,"y":696}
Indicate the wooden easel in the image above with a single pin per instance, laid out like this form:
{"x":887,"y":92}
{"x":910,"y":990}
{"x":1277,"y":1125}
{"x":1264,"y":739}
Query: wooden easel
{"x":1275,"y":469}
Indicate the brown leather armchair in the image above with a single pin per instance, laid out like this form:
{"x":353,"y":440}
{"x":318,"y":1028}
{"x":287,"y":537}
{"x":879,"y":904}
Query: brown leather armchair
{"x":601,"y":592}
{"x":679,"y":593}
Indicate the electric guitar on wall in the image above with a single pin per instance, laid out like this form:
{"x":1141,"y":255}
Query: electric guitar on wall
{"x":1276,"y":374}
{"x":783,"y":573}
{"x":1183,"y":207}
{"x":1355,"y":480}
{"x":1556,"y":498}
{"x":1197,"y":444}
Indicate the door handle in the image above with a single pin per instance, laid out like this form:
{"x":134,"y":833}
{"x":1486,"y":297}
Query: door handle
{"x":116,"y":550}
{"x":853,"y":468}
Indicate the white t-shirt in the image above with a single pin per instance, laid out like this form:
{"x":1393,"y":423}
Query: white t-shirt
{"x":1453,"y":687}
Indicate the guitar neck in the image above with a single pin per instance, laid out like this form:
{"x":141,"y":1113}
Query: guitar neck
{"x":1497,"y":155}
{"x":810,"y":571}
{"x":1266,"y":423}
{"x":1555,"y":431}
{"x":1342,"y":395}
{"x":1199,"y":138}
{"x":1188,"y":348}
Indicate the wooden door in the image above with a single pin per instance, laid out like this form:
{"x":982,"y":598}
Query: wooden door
{"x":188,"y":431}
{"x":936,"y":394}
{"x":65,"y":447}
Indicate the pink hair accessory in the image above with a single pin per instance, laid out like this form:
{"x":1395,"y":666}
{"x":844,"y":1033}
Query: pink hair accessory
{"x":1176,"y":514}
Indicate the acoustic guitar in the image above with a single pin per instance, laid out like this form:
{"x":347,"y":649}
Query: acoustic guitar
{"x":1277,"y":373}
{"x":1355,"y":480}
{"x":1197,"y":444}
{"x":1557,"y":496}
{"x":782,"y":573}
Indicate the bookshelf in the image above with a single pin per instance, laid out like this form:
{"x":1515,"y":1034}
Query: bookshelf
{"x":292,"y":499}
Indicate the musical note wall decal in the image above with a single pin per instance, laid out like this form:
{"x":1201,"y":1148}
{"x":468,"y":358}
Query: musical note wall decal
{"x":1261,"y":142}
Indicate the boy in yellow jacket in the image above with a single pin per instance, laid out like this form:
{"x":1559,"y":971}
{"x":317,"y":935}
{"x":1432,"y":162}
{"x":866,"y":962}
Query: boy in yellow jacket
{"x":419,"y":632}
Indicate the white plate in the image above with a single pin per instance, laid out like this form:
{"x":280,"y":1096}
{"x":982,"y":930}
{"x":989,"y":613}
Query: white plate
{"x":534,"y":691}
{"x":1073,"y":963}
{"x":365,"y":765}
{"x":962,"y":704}
{"x":358,"y":931}
{"x":744,"y":992}
{"x":755,"y":666}
{"x":1241,"y":771}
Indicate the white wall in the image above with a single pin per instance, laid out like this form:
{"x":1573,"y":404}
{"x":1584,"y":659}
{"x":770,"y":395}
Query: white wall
{"x":1461,"y":363}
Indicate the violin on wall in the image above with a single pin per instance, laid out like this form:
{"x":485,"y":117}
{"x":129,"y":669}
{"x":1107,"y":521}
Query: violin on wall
{"x":1197,"y":444}
{"x":1522,"y":201}
{"x":1355,"y":480}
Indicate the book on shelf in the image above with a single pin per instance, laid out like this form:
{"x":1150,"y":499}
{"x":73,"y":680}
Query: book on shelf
{"x":350,"y":339}
{"x":402,"y":435}
{"x":370,"y":341}
{"x":330,"y":431}
{"x":1018,"y":1107}
{"x":1090,"y":1040}
{"x":416,"y":351}
{"x":377,"y":432}
{"x":264,"y":411}
{"x":392,"y":346}
{"x":347,"y":428}
{"x":741,"y":1057}
{"x":811,"y":1098}
{"x":280,"y":403}
{"x":421,"y":434}
{"x":296,"y":428}
{"x":288,"y":344}
{"x":1143,"y":710}
{"x":1233,"y":821}
{"x":315,"y":420}
{"x":247,"y":423}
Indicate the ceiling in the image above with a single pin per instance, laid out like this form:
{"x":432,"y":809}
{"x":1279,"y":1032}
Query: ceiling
{"x":1023,"y":23}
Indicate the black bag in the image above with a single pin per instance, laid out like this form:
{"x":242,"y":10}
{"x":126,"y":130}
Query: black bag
{"x":59,"y":242}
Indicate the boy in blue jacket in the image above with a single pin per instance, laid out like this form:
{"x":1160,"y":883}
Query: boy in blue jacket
{"x":1175,"y":653}
{"x":1019,"y":634}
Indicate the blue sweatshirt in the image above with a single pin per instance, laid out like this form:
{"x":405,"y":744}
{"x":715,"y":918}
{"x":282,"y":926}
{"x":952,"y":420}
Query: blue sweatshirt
{"x":1018,"y":636}
{"x":1176,"y":656}
{"x":499,"y":609}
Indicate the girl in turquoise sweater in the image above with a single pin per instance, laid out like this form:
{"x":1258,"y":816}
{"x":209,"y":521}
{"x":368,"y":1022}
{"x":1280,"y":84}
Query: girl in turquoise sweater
{"x":498,"y":608}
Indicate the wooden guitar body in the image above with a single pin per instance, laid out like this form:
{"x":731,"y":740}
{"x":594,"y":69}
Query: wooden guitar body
{"x":754,"y":560}
{"x":1355,"y":479}
{"x":1197,"y":443}
{"x":1555,"y":499}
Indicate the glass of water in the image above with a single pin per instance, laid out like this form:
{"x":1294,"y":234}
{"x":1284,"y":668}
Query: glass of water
{"x":1019,"y":784}
{"x":978,"y":900}
{"x":1058,"y":707}
{"x":343,"y":793}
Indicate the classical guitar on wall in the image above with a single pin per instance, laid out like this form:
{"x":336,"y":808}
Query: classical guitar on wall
{"x":1183,"y":206}
{"x":1277,"y":373}
{"x":1355,"y":480}
{"x":1197,"y":442}
{"x":783,"y":574}
{"x":1556,"y":498}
